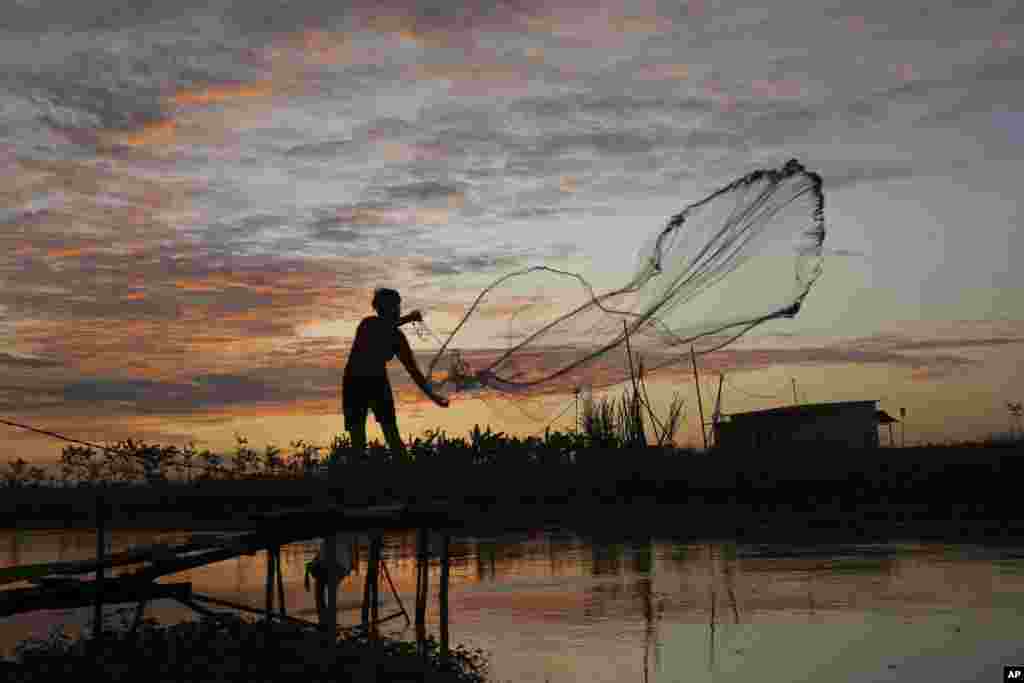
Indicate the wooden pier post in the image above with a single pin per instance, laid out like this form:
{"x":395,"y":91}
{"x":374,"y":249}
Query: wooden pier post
{"x":365,"y":612}
{"x":332,"y":594}
{"x":422,"y":585}
{"x":373,"y":581}
{"x":100,"y":571}
{"x":270,"y":586}
{"x":280,"y":582}
{"x":443,"y":599}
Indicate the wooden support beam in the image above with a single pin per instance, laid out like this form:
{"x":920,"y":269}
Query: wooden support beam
{"x":208,"y":613}
{"x":394,"y":591}
{"x":247,"y":608}
{"x":76,"y":594}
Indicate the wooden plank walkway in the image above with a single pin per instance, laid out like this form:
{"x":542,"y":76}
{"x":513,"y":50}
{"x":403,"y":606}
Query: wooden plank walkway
{"x":134,"y":555}
{"x":56,"y":587}
{"x":314,"y":523}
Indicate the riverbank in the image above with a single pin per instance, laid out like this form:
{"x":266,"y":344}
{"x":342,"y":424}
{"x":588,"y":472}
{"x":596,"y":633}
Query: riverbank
{"x":929,"y":494}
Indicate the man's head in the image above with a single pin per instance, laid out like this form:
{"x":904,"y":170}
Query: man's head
{"x":387,"y":303}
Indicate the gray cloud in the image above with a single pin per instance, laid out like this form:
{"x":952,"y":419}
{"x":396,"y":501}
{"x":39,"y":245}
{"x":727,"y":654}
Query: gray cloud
{"x":102,"y":15}
{"x":618,"y":143}
{"x":207,"y":391}
{"x":866,"y":173}
{"x":455,"y":264}
{"x":326,"y":149}
{"x":116,"y":390}
{"x":424,"y":191}
{"x":896,"y":343}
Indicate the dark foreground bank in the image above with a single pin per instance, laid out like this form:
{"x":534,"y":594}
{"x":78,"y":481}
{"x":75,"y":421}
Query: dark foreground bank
{"x":928,"y":493}
{"x":237,"y":649}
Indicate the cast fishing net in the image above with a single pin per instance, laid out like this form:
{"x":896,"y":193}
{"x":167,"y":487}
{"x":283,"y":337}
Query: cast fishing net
{"x":746,"y":254}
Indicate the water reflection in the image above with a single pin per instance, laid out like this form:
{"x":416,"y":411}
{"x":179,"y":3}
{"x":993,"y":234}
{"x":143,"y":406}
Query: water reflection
{"x":554,"y":606}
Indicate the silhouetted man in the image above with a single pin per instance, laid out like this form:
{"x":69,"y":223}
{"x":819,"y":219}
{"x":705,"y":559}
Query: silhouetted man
{"x":366,"y":386}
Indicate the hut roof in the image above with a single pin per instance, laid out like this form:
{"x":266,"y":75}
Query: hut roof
{"x":806,"y":410}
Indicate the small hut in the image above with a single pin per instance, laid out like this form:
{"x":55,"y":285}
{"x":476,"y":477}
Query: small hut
{"x":847,"y":424}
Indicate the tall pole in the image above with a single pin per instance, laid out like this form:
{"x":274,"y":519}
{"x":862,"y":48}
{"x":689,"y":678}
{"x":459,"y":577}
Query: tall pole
{"x":795,"y":401}
{"x":716,"y":416}
{"x":577,"y":409}
{"x":635,"y":405}
{"x":696,"y":382}
{"x":903,"y":427}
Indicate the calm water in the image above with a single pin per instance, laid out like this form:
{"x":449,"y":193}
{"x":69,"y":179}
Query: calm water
{"x":551,"y":606}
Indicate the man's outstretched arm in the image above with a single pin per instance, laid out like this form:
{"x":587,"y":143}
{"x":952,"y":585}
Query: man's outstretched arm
{"x":409,"y":361}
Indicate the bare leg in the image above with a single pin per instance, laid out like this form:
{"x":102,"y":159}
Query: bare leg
{"x":394,"y":440}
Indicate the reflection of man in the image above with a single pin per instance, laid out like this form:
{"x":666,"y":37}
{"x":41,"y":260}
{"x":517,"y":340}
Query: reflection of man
{"x":344,"y":561}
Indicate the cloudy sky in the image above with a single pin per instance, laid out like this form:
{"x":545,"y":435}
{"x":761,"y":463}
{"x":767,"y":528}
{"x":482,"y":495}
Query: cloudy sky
{"x":199,"y":198}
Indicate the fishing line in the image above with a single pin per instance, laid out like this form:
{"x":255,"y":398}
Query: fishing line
{"x":111,"y":450}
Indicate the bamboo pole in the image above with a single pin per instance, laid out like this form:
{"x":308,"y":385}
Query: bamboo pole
{"x":700,"y":405}
{"x":655,"y":422}
{"x":635,"y":405}
{"x":716,"y":416}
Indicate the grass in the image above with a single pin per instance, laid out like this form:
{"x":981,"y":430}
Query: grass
{"x":612,"y":431}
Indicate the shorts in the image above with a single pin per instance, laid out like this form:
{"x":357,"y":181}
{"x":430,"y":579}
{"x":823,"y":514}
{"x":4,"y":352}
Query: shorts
{"x":359,"y":395}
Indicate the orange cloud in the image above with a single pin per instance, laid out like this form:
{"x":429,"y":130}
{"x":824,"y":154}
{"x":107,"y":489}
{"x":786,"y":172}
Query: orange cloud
{"x":221,"y":93}
{"x":64,"y":253}
{"x":156,"y":133}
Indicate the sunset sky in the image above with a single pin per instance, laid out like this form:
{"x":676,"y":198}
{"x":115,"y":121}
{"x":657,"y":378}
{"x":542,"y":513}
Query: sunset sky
{"x":199,"y":198}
